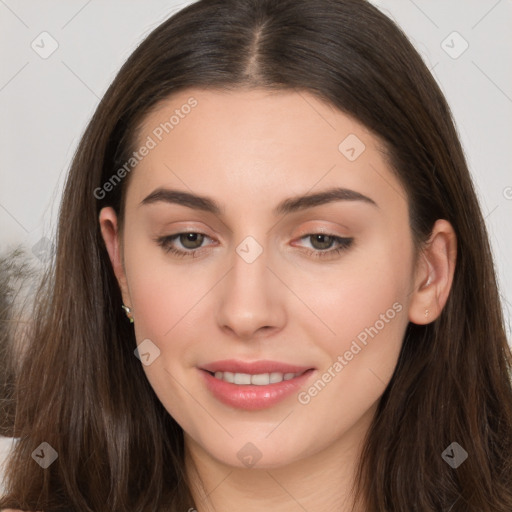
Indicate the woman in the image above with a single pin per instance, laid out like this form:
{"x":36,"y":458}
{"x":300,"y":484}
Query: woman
{"x":273,"y":287}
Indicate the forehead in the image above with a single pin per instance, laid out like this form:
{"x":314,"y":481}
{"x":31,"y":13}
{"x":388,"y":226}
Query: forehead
{"x":257,"y":143}
{"x":278,"y":119}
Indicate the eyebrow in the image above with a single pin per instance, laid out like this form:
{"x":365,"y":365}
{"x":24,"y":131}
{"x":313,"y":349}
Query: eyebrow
{"x":290,"y":205}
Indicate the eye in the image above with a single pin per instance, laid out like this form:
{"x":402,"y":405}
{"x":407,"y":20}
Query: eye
{"x":190,"y":241}
{"x":322,"y":244}
{"x":191,"y":244}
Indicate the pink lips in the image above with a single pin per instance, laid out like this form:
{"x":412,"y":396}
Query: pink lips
{"x":249,"y":396}
{"x":255,"y":367}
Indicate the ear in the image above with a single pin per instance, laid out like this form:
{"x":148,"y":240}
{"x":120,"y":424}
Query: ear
{"x":113,"y":243}
{"x":434,"y":274}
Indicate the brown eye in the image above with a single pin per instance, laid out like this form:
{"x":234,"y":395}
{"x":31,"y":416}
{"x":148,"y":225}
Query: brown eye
{"x":323,"y":245}
{"x":191,"y":240}
{"x":187,"y":243}
{"x":321,"y":242}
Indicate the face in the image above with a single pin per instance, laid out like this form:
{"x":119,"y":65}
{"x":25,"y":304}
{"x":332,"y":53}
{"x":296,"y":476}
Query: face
{"x":258,"y":285}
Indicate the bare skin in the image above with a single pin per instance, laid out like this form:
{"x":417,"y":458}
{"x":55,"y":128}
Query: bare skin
{"x":249,"y":150}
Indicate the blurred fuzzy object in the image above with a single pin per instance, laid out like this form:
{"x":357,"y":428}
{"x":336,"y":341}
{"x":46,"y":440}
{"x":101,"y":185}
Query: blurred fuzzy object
{"x":19,"y":283}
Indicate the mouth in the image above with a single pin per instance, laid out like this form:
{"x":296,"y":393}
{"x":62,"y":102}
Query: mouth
{"x":255,"y":385}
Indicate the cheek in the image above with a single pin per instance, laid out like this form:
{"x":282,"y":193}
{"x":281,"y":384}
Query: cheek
{"x":366,"y":283}
{"x":166,"y":302}
{"x":163,"y":299}
{"x":363,"y":302}
{"x":365,"y":307}
{"x":162,"y":293}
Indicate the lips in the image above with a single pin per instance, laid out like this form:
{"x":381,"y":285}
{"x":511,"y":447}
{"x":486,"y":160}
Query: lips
{"x":253,"y":367}
{"x":233,"y":382}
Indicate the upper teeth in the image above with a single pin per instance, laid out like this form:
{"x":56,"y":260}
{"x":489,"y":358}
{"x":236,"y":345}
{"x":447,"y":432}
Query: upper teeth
{"x":261,"y":379}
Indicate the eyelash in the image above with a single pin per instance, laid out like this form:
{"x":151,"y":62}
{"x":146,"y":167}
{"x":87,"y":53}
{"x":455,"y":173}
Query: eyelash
{"x":166,"y":241}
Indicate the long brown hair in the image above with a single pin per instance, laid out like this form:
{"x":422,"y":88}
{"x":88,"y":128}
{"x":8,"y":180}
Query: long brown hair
{"x":81,"y":389}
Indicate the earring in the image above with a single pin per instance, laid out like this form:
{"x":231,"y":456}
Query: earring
{"x":427,"y":312}
{"x":128,"y":313}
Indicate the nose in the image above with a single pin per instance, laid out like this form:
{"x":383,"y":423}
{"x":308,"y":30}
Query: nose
{"x":250,"y":299}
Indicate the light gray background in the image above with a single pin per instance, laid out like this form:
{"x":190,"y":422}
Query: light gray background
{"x":45,"y":103}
